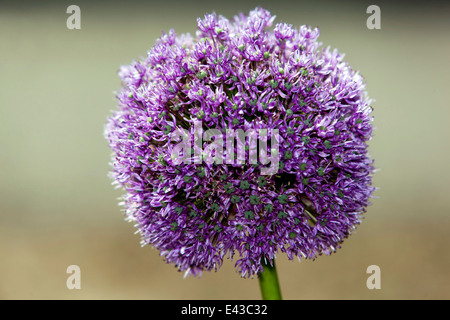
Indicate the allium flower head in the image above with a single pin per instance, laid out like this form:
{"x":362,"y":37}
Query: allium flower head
{"x":242,"y":74}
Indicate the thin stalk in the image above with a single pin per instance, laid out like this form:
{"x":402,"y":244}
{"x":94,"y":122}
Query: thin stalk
{"x":268,"y":282}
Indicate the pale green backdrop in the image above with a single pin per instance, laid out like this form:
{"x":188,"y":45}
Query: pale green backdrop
{"x":57,"y":205}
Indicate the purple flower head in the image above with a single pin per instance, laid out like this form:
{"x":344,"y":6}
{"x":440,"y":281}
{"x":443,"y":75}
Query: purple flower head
{"x":244,"y":140}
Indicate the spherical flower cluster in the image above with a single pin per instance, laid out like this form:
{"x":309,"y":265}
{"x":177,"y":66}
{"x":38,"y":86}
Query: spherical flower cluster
{"x":242,"y":74}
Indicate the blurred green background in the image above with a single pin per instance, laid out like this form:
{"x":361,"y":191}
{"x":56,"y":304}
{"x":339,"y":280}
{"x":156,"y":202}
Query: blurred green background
{"x":57,"y":205}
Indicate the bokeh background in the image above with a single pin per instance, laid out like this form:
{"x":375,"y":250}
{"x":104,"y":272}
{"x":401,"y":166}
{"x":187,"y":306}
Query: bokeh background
{"x":57,"y":205}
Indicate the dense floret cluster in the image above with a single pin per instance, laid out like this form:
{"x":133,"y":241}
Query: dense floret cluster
{"x":242,"y":74}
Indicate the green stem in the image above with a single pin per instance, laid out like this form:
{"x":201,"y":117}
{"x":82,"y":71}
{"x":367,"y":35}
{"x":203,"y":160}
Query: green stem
{"x":268,"y":282}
